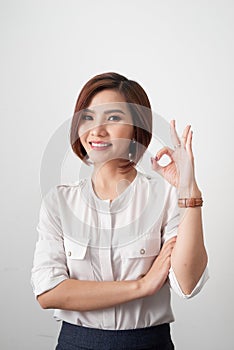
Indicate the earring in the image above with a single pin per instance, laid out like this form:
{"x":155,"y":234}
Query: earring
{"x":132,"y":150}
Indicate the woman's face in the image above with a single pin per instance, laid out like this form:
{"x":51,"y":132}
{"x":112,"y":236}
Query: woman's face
{"x":106,"y":127}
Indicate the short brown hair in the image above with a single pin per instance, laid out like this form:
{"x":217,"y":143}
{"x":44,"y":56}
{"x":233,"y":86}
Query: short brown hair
{"x":137,"y":98}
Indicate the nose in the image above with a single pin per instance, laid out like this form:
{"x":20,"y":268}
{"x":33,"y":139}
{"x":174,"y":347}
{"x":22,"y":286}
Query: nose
{"x":99,"y":130}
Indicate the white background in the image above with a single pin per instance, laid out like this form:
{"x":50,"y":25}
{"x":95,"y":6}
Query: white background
{"x":182,"y":52}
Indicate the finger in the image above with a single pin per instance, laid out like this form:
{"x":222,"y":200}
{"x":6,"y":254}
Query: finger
{"x":168,"y":249}
{"x":174,"y":136}
{"x":164,"y":151}
{"x":172,"y":239}
{"x":166,"y":253}
{"x":189,"y":140}
{"x":158,"y":168}
{"x":185,"y":135}
{"x":170,"y":242}
{"x":189,"y":144}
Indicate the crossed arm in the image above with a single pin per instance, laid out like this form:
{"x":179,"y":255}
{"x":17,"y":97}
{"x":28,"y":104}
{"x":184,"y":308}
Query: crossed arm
{"x":185,"y":253}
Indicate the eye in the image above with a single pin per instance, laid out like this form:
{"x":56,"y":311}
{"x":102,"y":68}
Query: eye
{"x":86,"y":117}
{"x":114,"y":117}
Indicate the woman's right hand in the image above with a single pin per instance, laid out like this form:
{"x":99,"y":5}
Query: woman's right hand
{"x":157,"y":275}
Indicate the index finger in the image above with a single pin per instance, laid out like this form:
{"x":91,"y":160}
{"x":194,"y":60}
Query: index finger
{"x":174,"y":136}
{"x":169,"y":241}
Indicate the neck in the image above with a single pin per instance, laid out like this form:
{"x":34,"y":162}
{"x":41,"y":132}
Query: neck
{"x":109,"y":182}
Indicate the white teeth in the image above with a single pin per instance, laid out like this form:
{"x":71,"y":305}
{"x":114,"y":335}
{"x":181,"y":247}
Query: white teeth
{"x":100,"y":144}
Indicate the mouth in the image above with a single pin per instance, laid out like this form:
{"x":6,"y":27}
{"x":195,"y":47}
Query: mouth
{"x":100,"y":145}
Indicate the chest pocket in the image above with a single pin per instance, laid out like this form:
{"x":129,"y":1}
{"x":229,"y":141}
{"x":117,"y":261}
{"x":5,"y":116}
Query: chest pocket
{"x":138,"y":257}
{"x":78,"y":259}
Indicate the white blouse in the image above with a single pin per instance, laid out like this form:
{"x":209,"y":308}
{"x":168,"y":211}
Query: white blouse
{"x":84,"y":237}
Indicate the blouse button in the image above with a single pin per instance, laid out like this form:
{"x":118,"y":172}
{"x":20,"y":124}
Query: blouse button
{"x":142,"y":251}
{"x":69,"y":253}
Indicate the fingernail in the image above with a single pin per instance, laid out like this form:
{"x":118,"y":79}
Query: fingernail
{"x":152,"y":159}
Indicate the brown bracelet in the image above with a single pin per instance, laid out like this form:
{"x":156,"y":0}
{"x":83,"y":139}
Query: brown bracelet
{"x":190,"y":202}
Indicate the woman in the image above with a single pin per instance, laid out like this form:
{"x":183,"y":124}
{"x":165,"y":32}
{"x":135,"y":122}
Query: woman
{"x":112,"y":244}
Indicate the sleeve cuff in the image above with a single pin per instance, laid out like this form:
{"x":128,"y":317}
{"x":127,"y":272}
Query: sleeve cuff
{"x":177,"y":289}
{"x":47,"y":285}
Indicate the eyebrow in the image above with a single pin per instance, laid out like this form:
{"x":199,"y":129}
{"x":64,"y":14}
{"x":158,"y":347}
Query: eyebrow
{"x":106,"y":112}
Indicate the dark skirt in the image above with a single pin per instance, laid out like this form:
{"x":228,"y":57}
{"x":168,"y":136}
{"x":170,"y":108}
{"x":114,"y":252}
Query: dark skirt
{"x":74,"y":337}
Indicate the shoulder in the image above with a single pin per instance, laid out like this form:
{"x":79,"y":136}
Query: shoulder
{"x":62,"y":190}
{"x":71,"y":185}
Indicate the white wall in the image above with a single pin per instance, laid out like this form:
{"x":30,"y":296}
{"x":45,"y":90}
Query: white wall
{"x":182,"y":52}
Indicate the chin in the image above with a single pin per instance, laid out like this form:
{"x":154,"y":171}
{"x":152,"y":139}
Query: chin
{"x":104,"y":159}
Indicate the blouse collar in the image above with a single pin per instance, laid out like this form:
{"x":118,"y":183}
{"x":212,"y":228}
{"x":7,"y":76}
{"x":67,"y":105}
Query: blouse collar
{"x":118,"y":202}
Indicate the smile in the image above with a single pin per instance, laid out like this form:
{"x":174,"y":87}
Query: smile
{"x":100,"y":145}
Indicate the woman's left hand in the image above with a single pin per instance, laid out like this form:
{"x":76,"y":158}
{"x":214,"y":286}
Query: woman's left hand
{"x":180,"y":171}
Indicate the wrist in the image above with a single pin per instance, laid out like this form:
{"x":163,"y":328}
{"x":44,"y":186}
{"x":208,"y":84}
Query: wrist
{"x":140,"y":287}
{"x":148,"y":287}
{"x":191,"y":191}
{"x":190,"y":202}
{"x":193,"y":198}
{"x":143,"y":287}
{"x":196,"y":193}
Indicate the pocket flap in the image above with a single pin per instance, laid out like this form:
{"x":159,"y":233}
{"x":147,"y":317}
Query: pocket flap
{"x":74,"y":249}
{"x":141,"y":248}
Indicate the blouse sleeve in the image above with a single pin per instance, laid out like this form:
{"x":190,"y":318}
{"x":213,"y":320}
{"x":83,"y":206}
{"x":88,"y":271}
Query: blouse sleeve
{"x":170,"y":225}
{"x":49,"y":264}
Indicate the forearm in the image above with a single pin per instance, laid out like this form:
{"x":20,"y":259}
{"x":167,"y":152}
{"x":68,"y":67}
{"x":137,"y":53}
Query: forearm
{"x":189,"y":257}
{"x":79,"y":295}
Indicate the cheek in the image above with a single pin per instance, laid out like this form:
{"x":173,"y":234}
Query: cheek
{"x":83,"y":128}
{"x":123,"y":132}
{"x":82,"y":134}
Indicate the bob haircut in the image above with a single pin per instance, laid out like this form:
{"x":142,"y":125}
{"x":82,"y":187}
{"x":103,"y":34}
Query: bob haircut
{"x":139,"y":106}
